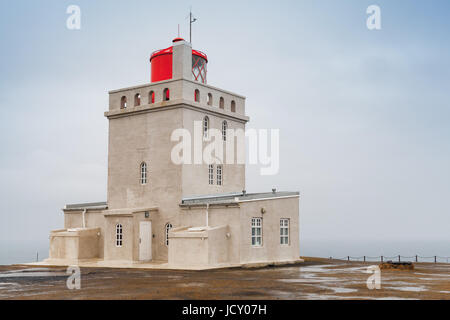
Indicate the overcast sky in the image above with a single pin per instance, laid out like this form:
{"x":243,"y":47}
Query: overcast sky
{"x":364,"y":116}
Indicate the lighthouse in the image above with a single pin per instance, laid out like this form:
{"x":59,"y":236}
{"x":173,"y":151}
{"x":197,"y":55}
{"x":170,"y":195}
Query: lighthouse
{"x":176,"y":215}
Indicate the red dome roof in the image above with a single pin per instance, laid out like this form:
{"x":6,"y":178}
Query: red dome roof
{"x":161,"y":61}
{"x":170,"y":51}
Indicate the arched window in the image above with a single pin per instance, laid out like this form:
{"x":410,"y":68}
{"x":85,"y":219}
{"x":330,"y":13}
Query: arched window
{"x":137,"y":100}
{"x":219,"y":175}
{"x":210,"y":99}
{"x":166,"y":94}
{"x":224,"y":130}
{"x":211,"y":174}
{"x":143,"y":173}
{"x":233,"y":106}
{"x":119,"y":235}
{"x":123,"y":102}
{"x":197,"y":95}
{"x":222,"y":103}
{"x":167,"y":229}
{"x":151,"y":97}
{"x":205,"y":127}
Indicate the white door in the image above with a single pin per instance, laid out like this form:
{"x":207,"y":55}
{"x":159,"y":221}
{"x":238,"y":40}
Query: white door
{"x":145,"y":241}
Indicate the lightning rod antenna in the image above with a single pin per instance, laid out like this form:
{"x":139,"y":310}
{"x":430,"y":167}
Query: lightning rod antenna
{"x":191,"y":21}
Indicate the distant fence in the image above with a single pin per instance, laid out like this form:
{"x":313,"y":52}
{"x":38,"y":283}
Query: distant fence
{"x":416,"y":258}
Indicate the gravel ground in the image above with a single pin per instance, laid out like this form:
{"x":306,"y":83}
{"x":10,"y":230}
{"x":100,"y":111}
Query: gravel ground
{"x":313,"y":279}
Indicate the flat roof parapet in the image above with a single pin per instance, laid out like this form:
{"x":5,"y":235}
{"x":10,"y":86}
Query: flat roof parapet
{"x":82,"y":206}
{"x":236,"y":197}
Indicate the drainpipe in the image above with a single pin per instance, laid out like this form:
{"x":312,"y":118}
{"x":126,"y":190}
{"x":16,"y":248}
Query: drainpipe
{"x":207,"y":215}
{"x":84,"y":218}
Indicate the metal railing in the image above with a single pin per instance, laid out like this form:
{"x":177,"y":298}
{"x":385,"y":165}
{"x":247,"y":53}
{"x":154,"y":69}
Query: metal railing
{"x":399,"y":258}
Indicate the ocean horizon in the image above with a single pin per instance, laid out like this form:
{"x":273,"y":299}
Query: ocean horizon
{"x":17,"y":253}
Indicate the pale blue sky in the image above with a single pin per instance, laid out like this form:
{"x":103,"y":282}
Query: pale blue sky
{"x":364,"y":116}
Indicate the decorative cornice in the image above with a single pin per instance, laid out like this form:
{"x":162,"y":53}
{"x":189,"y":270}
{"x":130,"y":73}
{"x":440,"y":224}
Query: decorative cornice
{"x":175,"y":104}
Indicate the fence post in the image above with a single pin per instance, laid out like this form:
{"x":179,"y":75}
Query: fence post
{"x":399,"y":260}
{"x":435,"y":259}
{"x":417,"y":260}
{"x":348,"y":258}
{"x":381,"y":258}
{"x":364,"y":258}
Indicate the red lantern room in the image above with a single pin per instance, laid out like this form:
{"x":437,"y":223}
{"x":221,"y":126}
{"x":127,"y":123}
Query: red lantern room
{"x":162,"y":64}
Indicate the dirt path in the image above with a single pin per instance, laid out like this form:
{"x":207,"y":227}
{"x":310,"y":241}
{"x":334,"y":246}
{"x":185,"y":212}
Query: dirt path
{"x":318,"y":279}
